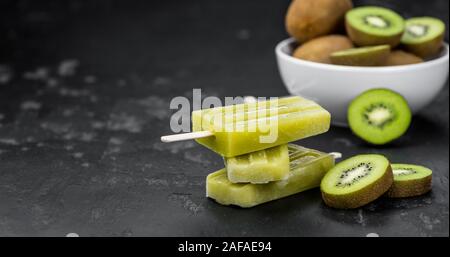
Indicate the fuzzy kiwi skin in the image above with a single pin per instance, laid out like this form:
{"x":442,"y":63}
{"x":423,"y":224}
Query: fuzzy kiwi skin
{"x":308,"y":19}
{"x":363,"y":196}
{"x":363,"y":39}
{"x":410,"y":188}
{"x":399,"y":57}
{"x":427,"y":49}
{"x":320,"y":49}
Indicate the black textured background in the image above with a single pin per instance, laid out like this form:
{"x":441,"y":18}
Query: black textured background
{"x":80,"y":149}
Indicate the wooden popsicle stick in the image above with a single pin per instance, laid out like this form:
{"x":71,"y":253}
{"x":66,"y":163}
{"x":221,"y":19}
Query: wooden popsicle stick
{"x":198,"y":134}
{"x":186,"y":136}
{"x":336,"y":155}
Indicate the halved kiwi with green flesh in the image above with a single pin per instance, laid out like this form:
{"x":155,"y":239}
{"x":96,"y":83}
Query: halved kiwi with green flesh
{"x":362,"y":56}
{"x":379,"y":116}
{"x":356,"y":181}
{"x":371,"y":25}
{"x":410,"y":180}
{"x":399,"y":57}
{"x":424,"y":36}
{"x":320,"y":49}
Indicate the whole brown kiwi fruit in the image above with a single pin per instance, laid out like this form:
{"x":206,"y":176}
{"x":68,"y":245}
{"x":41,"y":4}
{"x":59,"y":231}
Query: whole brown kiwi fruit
{"x":308,"y":19}
{"x":400,"y":57}
{"x":320,"y":49}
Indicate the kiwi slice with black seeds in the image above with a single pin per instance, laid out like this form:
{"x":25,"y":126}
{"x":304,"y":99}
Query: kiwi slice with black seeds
{"x":371,"y":25}
{"x":356,"y":181}
{"x":379,"y":116}
{"x":410,"y":180}
{"x":424,"y":36}
{"x":362,"y":56}
{"x":399,"y":57}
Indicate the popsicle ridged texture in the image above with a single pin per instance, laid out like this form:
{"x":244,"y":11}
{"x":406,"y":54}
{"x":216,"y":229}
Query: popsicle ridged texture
{"x":292,"y":118}
{"x":307,"y":168}
{"x":259,"y":167}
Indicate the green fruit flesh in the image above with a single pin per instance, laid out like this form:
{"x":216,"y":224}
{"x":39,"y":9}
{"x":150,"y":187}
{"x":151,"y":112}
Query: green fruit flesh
{"x":403,"y":172}
{"x":422,"y":29}
{"x":362,"y":56}
{"x":410,"y":180}
{"x":356,"y":181}
{"x":361,"y":50}
{"x":376,"y":21}
{"x":354,"y":174}
{"x":379,"y":116}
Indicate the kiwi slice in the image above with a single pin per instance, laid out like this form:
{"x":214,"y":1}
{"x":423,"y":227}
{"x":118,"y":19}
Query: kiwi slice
{"x":362,"y":56}
{"x":308,"y":19}
{"x":320,"y":49}
{"x":371,"y":25}
{"x":399,"y":57}
{"x":356,"y":181}
{"x":379,"y":116}
{"x":424,"y":36}
{"x":410,"y":180}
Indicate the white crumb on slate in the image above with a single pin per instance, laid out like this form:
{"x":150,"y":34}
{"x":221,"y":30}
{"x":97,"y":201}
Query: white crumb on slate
{"x":90,"y":79}
{"x":73,"y":92}
{"x":68,"y":67}
{"x":196,"y":157}
{"x":115,"y":141}
{"x":6,"y":74}
{"x":9,"y":141}
{"x":68,"y":112}
{"x":68,"y":147}
{"x":174,"y":148}
{"x":360,"y":219}
{"x":155,"y":107}
{"x":52,"y":82}
{"x":55,"y":127}
{"x":78,"y":155}
{"x":87,"y":136}
{"x":344,"y":141}
{"x":156,"y":182}
{"x":428,"y":222}
{"x":161,"y":81}
{"x":40,"y":73}
{"x":30,"y":105}
{"x":98,"y":124}
{"x":243,"y":34}
{"x":125,"y":122}
{"x":186,"y":203}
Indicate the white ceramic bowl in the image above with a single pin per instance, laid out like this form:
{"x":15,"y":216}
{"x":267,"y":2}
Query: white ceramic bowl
{"x":334,"y":86}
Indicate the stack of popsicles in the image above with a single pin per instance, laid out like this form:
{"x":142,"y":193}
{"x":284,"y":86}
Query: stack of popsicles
{"x":257,"y":171}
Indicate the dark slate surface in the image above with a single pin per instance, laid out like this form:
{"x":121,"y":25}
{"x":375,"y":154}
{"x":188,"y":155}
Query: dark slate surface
{"x":84,"y":93}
